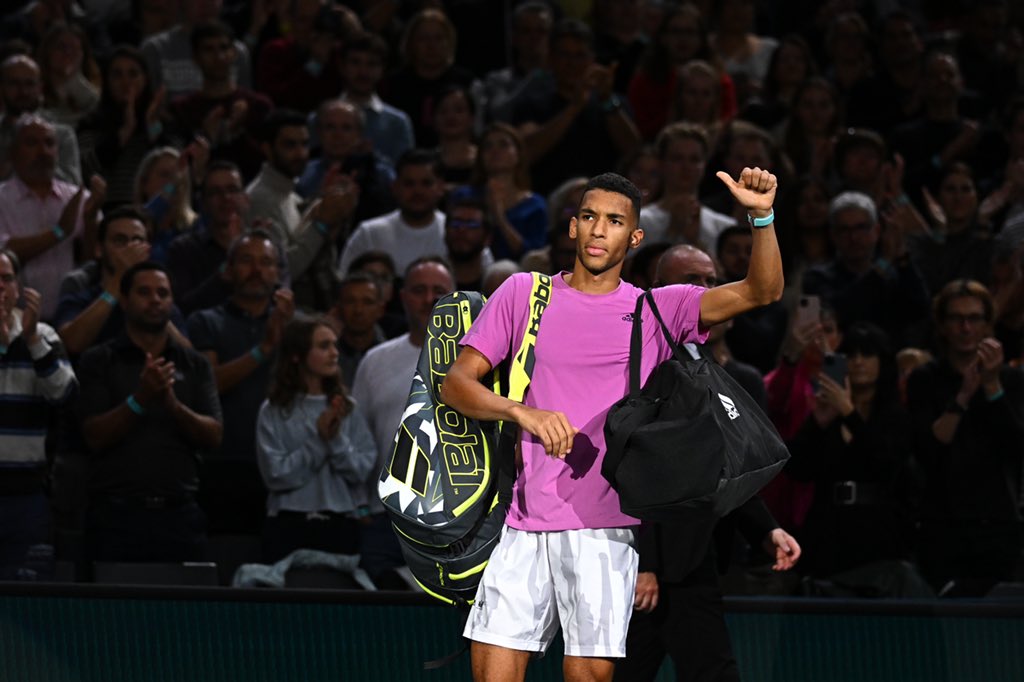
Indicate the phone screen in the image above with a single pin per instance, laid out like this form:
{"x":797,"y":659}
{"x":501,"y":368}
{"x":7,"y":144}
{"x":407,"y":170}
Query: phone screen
{"x":834,"y":366}
{"x":808,"y":310}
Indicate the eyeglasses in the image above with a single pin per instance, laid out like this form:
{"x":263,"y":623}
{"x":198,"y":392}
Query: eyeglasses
{"x":456,"y":224}
{"x":7,"y":278}
{"x":958,"y":319}
{"x":125,"y":240}
{"x":222,"y":191}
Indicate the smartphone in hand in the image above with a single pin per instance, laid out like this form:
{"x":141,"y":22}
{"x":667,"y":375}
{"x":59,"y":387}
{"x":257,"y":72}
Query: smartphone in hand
{"x":834,"y":367}
{"x":808,"y":310}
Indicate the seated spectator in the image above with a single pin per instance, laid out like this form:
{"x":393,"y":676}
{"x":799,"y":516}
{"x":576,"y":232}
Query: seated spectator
{"x":126,"y":124}
{"x":809,"y":132}
{"x":496,"y":273}
{"x":803,"y":230}
{"x":357,"y":313}
{"x":791,"y":65}
{"x":967,"y":408}
{"x":170,"y":54}
{"x":163,"y":190}
{"x":314,"y":481}
{"x":454,"y":114}
{"x":381,"y":267}
{"x":428,"y":67}
{"x":42,"y":217}
{"x":579,"y":125}
{"x":678,"y":215}
{"x":21,"y":88}
{"x":855,"y":446}
{"x":90,"y":310}
{"x":388,"y":128}
{"x":300,"y":70}
{"x":867,"y":283}
{"x":148,"y":408}
{"x":345,"y":148}
{"x":618,"y":38}
{"x":643,"y":169}
{"x":71,"y":77}
{"x":744,"y":54}
{"x":240,"y":338}
{"x":467,"y":233}
{"x":503,"y":178}
{"x":848,"y":55}
{"x":380,"y":390}
{"x":228,"y":115}
{"x":529,"y":32}
{"x":737,"y":146}
{"x":416,"y":227}
{"x":35,"y":376}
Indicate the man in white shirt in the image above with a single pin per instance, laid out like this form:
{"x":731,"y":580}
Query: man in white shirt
{"x":416,"y":228}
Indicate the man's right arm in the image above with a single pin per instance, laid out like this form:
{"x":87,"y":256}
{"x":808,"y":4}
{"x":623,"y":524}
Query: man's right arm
{"x":463,"y":392}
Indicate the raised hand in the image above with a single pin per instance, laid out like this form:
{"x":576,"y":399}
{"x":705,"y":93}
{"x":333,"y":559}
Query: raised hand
{"x":30,"y":315}
{"x":69,"y":216}
{"x":990,"y":360}
{"x":155,"y":106}
{"x":755,"y":189}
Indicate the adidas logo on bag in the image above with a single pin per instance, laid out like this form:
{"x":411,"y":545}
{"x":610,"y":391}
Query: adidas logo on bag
{"x":729,"y":405}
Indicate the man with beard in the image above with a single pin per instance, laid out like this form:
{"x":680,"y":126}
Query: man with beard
{"x":467,"y":233}
{"x":240,"y":338}
{"x":416,"y":228}
{"x":148,"y":408}
{"x":89,"y":310}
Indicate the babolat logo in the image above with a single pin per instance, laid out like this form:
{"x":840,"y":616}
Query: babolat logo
{"x":541,"y":300}
{"x":729,"y":405}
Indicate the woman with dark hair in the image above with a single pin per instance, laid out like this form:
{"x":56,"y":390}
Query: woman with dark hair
{"x":803,"y":227}
{"x":502,"y":175}
{"x":810,"y":131}
{"x":681,"y":37}
{"x":313,"y":447}
{"x":125,"y":125}
{"x":454,"y":113}
{"x":855,"y":446}
{"x":791,"y":64}
{"x":71,"y":78}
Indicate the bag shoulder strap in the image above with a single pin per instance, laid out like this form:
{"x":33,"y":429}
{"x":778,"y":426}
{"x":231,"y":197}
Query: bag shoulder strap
{"x":521,"y":369}
{"x":636,"y":341}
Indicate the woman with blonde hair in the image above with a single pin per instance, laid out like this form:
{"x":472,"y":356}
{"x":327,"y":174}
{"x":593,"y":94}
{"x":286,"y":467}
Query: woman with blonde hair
{"x":163,"y":189}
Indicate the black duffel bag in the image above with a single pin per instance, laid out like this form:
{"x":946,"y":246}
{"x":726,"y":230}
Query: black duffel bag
{"x":692,"y":444}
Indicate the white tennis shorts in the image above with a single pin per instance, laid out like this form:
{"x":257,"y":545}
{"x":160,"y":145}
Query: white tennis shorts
{"x":583,"y":580}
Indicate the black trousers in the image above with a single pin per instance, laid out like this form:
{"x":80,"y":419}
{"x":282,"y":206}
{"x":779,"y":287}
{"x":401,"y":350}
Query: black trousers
{"x":127,"y":530}
{"x":289,"y":531}
{"x":688,"y":625}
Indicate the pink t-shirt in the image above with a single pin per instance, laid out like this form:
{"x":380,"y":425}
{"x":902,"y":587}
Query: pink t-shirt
{"x":582,"y":369}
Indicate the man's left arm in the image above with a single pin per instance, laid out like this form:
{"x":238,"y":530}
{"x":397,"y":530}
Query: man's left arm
{"x":755,"y":191}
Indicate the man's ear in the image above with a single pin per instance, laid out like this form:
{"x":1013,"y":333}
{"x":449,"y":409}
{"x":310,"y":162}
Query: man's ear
{"x":636,"y":238}
{"x":572,"y":227}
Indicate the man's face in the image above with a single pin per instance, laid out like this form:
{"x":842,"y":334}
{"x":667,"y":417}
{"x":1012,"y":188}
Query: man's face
{"x":735,"y":256}
{"x":425,"y":284}
{"x":531,"y":35}
{"x":899,"y":42}
{"x":683,"y":165}
{"x":339,"y":131}
{"x":22,"y":87}
{"x":290,"y":150}
{"x":360,"y":307}
{"x":687,"y":267}
{"x":861,"y":167}
{"x":417,"y":190}
{"x":214,"y":56}
{"x":942,"y":80}
{"x":855,"y":236}
{"x":149,"y":301}
{"x":362,"y":71}
{"x":197,"y":11}
{"x":568,"y":60}
{"x":34,"y":153}
{"x":253,"y":271}
{"x":464,"y":233}
{"x":604,"y":229}
{"x":9,"y":290}
{"x":122,"y":242}
{"x":223,"y":196}
{"x":747,"y":152}
{"x":698,"y":98}
{"x":963,"y":325}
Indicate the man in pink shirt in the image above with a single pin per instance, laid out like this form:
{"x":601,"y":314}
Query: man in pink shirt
{"x":41,"y":216}
{"x":567,"y":555}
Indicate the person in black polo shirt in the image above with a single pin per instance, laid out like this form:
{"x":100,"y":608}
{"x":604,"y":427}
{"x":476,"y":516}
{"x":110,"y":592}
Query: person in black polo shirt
{"x":148,"y":408}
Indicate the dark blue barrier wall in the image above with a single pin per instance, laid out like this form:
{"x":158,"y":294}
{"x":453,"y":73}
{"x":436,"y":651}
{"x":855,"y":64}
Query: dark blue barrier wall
{"x":82,"y":633}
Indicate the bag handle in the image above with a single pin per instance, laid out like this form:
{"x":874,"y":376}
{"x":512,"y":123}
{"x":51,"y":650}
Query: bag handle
{"x":636,"y":341}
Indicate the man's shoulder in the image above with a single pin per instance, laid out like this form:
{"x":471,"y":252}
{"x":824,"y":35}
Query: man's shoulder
{"x":100,"y":354}
{"x":382,"y":222}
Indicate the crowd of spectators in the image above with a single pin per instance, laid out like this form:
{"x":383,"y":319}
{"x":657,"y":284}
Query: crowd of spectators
{"x":200,"y":199}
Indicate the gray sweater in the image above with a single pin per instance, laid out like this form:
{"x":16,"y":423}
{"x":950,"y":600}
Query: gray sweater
{"x":303,"y":472}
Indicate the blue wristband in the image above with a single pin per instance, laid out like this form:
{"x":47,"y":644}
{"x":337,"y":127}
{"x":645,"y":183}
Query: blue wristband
{"x":321,"y":227}
{"x":762,"y":222}
{"x":58,"y":232}
{"x":257,"y":354}
{"x":109,"y":299}
{"x":134,"y":406}
{"x":995,"y":396}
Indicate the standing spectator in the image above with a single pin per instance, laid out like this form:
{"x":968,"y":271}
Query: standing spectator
{"x":40,"y":216}
{"x":34,"y":376}
{"x":70,"y":75}
{"x":618,"y":39}
{"x":968,"y":412}
{"x":848,"y":51}
{"x":388,"y":129}
{"x":559,"y":253}
{"x":21,"y":87}
{"x":163,"y":189}
{"x":357,"y":312}
{"x":314,"y":447}
{"x":149,"y":409}
{"x":416,"y":227}
{"x":240,"y":338}
{"x":170,"y":54}
{"x":503,"y":176}
{"x":224,"y":112}
{"x":529,"y":32}
{"x":746,"y":56}
{"x":792,"y":64}
{"x":810,"y":130}
{"x":380,"y":390}
{"x":428,"y":55}
{"x":467,"y":233}
{"x":454,"y":115}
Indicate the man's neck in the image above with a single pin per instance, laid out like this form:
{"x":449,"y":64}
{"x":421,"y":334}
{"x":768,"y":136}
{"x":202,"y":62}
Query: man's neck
{"x":359,"y":341}
{"x":252,"y":305}
{"x":150,"y":342}
{"x":416,"y":336}
{"x":413,"y":220}
{"x":468,"y":271}
{"x":360,"y":98}
{"x":41,"y":188}
{"x":584,"y":281}
{"x":858,"y":267}
{"x":218,"y":89}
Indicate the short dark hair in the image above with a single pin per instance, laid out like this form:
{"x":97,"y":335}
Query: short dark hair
{"x":575,"y":29}
{"x":360,"y":277}
{"x":120,"y":213}
{"x":613,"y":182}
{"x":221,"y":165}
{"x":209,"y":29}
{"x":962,"y":288}
{"x":279,"y":119}
{"x":373,"y":256}
{"x":440,"y":260}
{"x":727,"y":234}
{"x":128,"y":278}
{"x":251,"y":234}
{"x":13,"y":258}
{"x":417,"y":157}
